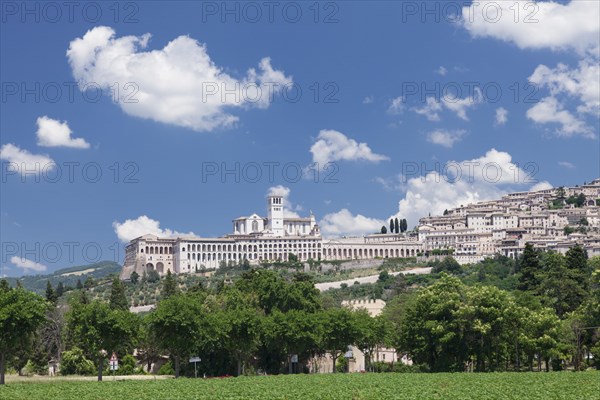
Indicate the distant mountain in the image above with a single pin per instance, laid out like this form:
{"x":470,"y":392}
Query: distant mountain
{"x":68,"y":276}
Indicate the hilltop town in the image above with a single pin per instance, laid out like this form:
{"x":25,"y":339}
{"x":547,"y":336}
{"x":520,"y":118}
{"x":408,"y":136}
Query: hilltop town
{"x":551,"y":219}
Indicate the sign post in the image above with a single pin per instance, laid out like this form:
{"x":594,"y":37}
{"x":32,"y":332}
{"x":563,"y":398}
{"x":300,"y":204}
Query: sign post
{"x":114,"y":363}
{"x":195,"y":360}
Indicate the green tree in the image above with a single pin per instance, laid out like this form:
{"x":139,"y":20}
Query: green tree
{"x":89,"y":282}
{"x":50,"y":294}
{"x":100,"y":330}
{"x":383,"y":230}
{"x":559,"y":287}
{"x":429,"y":332}
{"x":373,"y":334}
{"x":243,"y":333}
{"x":118,"y":299}
{"x":21,"y":313}
{"x":340,"y":330}
{"x":448,"y":264}
{"x":181,"y":325}
{"x":149,"y":349}
{"x":153,"y":276}
{"x":170,"y":287}
{"x":391,"y":225}
{"x":134,"y":277}
{"x":79,"y":285}
{"x":60,"y":289}
{"x":529,"y":266}
{"x":396,"y":225}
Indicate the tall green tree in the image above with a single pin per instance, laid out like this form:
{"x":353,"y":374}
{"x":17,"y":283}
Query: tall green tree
{"x":60,"y":289}
{"x":576,"y":260}
{"x":530,"y":268}
{"x":182,"y":325}
{"x":50,"y":294}
{"x":170,"y":287}
{"x":558,"y":288}
{"x":134,"y":277}
{"x":340,"y":330}
{"x":430,"y":333}
{"x":391,"y":225}
{"x":396,"y":225}
{"x":118,"y":299}
{"x":100,"y":330}
{"x":21,"y":313}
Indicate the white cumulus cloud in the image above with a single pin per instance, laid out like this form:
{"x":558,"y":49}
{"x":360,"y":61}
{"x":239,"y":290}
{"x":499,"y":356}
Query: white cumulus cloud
{"x":178,"y":85}
{"x":28,"y":265}
{"x":344,"y":223}
{"x":566,"y":84}
{"x":457,"y":105}
{"x":333,"y":146}
{"x":24,"y":162}
{"x":53,"y":133}
{"x":536,"y":24}
{"x":460,"y":183}
{"x":133,"y":228}
{"x":549,"y":110}
{"x":396,"y":106}
{"x":501,"y":116}
{"x":446,"y":138}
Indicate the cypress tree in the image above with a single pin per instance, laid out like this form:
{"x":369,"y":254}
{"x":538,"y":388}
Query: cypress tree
{"x":529,"y":266}
{"x":118,"y":300}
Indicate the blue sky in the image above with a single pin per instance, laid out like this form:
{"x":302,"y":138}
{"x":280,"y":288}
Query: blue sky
{"x":394,"y":98}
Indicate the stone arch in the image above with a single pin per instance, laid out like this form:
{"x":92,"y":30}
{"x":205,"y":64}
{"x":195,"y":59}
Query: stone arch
{"x":149,"y":267}
{"x":160,"y":267}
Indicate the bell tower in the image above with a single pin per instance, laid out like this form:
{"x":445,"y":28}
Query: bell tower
{"x":275,"y":215}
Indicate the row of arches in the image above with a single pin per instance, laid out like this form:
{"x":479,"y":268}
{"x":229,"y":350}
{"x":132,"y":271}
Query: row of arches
{"x":261,"y":256}
{"x":338,"y":253}
{"x":245,"y":248}
{"x":158,"y":250}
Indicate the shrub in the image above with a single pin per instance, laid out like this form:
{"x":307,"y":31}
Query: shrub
{"x":166,"y":369}
{"x":128,"y":365}
{"x":74,"y":363}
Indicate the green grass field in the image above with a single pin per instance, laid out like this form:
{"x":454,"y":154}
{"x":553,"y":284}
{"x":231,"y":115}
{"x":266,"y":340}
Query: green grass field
{"x":518,"y":386}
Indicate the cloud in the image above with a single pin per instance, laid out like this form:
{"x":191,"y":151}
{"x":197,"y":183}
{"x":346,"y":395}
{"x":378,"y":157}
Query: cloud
{"x":28,"y":265}
{"x":501,"y":116}
{"x":344,"y":223}
{"x":24,"y":162}
{"x":442,"y":71}
{"x":333,"y":146}
{"x":460,"y":183}
{"x":459,"y":106}
{"x":536,"y":25}
{"x":565,"y":84}
{"x":430,"y":109}
{"x":288,"y":207}
{"x":178,"y":85}
{"x":368,"y":100}
{"x":446,"y":138}
{"x":396,"y":106}
{"x":566,"y":164}
{"x":455,"y":104}
{"x":133,"y":228}
{"x":544,"y":185}
{"x":53,"y":133}
{"x":549,"y":110}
